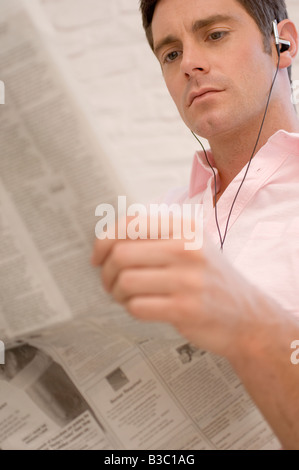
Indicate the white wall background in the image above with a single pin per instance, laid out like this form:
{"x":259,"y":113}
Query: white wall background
{"x":138,"y":125}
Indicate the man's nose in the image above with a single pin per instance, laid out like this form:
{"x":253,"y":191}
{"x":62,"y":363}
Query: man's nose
{"x":194,"y":60}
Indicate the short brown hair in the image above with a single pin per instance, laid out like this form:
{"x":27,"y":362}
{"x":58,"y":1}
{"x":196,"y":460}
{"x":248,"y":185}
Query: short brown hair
{"x":262,"y":11}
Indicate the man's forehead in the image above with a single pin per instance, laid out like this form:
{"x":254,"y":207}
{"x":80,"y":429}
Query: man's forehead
{"x":193,"y":15}
{"x":204,"y":7}
{"x":169,"y":11}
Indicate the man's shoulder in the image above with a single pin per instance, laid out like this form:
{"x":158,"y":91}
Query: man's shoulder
{"x":176,"y":195}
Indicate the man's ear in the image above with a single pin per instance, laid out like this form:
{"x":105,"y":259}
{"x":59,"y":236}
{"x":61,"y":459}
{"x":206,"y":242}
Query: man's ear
{"x":287,"y":30}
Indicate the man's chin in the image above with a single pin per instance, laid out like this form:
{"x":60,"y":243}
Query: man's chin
{"x":208,"y":124}
{"x":209,"y":131}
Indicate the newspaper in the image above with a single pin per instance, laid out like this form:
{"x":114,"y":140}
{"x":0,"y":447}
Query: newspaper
{"x":79,"y":373}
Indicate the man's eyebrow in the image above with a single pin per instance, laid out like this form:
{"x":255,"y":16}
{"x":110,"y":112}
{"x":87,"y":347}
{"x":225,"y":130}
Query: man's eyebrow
{"x":164,"y":42}
{"x":200,"y":24}
{"x":197,"y":25}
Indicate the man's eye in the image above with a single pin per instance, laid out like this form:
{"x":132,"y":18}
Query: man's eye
{"x":171,"y":56}
{"x":217,"y":35}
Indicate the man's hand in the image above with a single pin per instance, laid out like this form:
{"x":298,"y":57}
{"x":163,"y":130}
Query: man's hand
{"x":216,"y":309}
{"x":195,"y":291}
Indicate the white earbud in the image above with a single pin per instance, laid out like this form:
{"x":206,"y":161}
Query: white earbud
{"x":281,"y":44}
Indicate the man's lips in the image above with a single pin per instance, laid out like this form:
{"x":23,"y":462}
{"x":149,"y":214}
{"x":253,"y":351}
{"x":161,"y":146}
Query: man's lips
{"x":201,"y":93}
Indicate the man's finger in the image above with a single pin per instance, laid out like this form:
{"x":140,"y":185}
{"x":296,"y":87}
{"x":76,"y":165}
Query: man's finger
{"x":101,"y":250}
{"x":130,"y":254}
{"x":142,"y":282}
{"x":153,"y":308}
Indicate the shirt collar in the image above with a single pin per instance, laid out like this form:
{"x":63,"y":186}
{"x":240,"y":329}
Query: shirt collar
{"x":202,"y":172}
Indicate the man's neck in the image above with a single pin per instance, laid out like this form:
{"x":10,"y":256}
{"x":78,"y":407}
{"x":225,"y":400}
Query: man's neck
{"x":232,"y":151}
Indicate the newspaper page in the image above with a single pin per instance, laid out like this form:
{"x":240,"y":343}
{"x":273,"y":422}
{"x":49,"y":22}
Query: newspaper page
{"x":41,"y":408}
{"x":112,"y":383}
{"x":53,"y":174}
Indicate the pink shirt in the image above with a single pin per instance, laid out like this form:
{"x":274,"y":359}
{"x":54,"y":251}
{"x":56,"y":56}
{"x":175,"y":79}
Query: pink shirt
{"x":263,"y":235}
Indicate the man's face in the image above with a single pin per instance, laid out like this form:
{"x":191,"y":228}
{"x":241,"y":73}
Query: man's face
{"x":214,"y":64}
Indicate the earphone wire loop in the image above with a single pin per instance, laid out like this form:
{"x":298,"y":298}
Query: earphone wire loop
{"x":222,"y":239}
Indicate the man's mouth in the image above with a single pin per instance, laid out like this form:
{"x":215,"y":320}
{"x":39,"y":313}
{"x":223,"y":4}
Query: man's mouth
{"x":202,"y":94}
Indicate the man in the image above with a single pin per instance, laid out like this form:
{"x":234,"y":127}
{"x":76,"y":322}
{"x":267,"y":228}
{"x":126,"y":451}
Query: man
{"x":219,"y":60}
